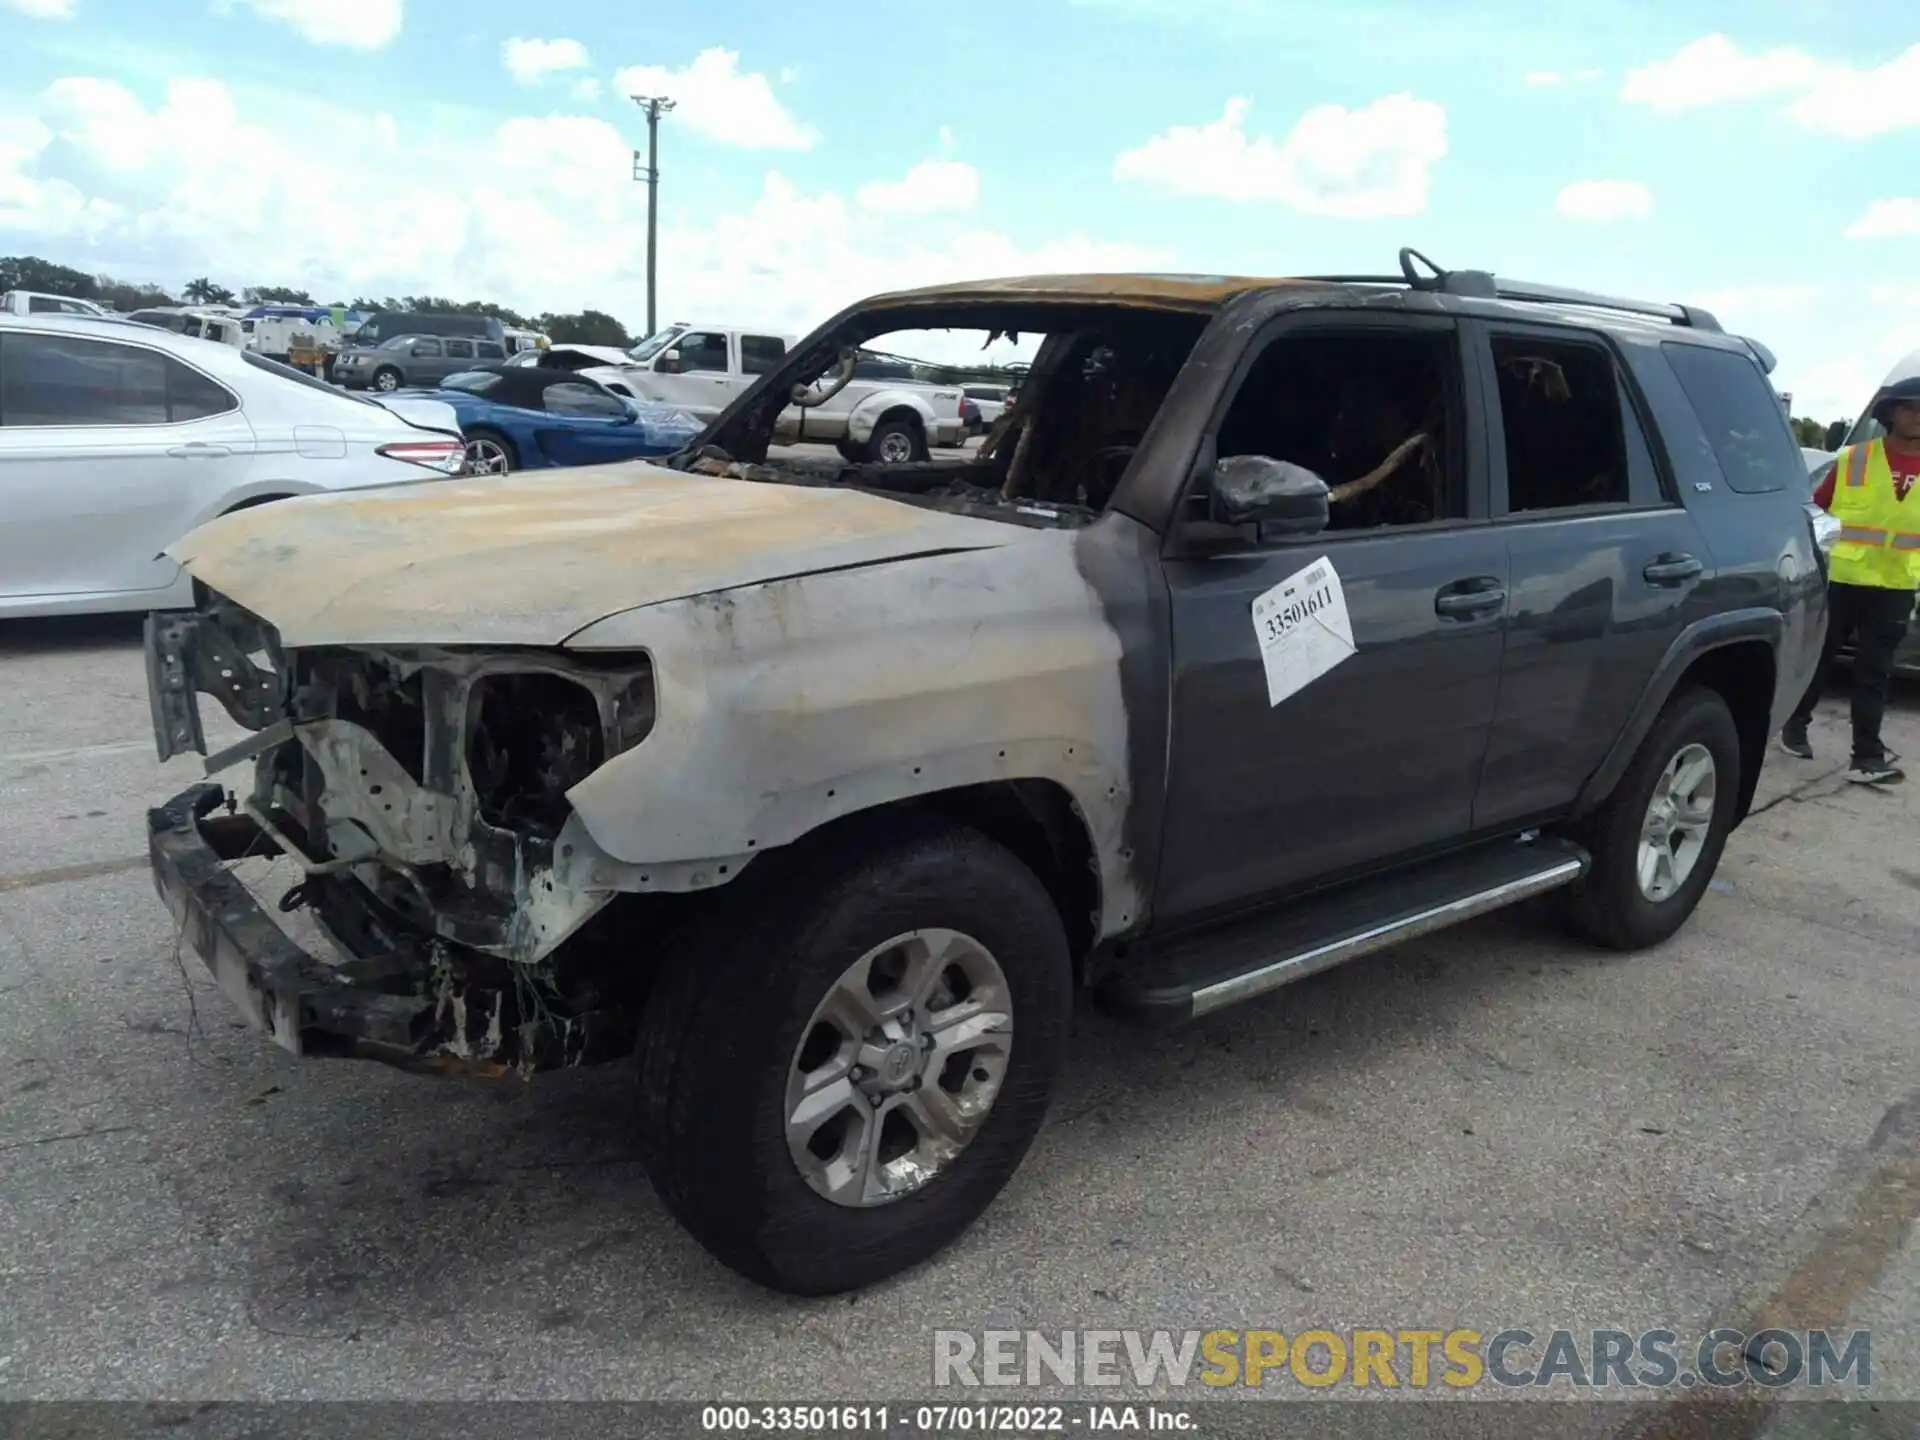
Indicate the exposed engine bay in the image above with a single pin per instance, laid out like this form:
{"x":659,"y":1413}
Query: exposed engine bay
{"x":1054,"y":457}
{"x":423,"y":793}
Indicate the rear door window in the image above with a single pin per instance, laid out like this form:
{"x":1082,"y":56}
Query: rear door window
{"x":60,"y":380}
{"x":1744,"y":421}
{"x":460,"y":349}
{"x":491,"y":350}
{"x":761,"y":354}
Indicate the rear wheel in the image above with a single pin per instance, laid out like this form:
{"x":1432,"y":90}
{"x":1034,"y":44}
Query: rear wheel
{"x":489,"y":453}
{"x":842,"y":1069}
{"x":1658,"y":839}
{"x":896,"y":442}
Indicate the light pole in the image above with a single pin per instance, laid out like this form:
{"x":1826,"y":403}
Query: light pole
{"x":655,"y":106}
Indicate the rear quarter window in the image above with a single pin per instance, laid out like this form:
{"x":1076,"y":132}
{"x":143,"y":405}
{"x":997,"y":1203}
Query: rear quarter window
{"x":1743,"y":421}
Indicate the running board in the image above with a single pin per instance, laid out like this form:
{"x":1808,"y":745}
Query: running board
{"x":1196,"y":975}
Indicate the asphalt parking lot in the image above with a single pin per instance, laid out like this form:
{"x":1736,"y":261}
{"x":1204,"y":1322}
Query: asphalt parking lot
{"x":1487,"y":1128}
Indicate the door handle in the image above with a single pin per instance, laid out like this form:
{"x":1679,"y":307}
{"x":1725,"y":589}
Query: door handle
{"x":199,"y":448}
{"x":1672,"y":570}
{"x":1465,"y":599}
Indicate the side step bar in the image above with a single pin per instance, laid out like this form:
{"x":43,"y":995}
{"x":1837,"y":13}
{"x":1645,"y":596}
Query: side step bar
{"x":1198,"y":974}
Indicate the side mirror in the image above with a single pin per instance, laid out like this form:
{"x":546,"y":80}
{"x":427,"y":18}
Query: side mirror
{"x":1277,"y":495}
{"x":1836,"y":435}
{"x":669,"y":363}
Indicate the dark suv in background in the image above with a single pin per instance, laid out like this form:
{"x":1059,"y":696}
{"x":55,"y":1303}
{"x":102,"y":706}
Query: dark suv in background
{"x":1280,"y":621}
{"x":372,"y":356}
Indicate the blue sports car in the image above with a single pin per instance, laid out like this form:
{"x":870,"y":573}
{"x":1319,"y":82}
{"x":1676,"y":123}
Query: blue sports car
{"x":518,"y":418}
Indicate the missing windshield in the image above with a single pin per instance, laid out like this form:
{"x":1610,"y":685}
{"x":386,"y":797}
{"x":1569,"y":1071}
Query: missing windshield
{"x":880,"y":402}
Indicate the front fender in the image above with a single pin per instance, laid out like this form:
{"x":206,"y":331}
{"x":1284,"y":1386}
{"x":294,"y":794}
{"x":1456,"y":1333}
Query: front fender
{"x":786,"y":705}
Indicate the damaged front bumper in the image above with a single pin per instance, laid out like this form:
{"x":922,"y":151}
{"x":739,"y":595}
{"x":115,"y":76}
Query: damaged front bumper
{"x":399,"y":999}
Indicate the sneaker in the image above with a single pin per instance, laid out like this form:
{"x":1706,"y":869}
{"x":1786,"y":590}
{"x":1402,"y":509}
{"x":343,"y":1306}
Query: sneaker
{"x":1794,"y":741}
{"x":1876,"y":772}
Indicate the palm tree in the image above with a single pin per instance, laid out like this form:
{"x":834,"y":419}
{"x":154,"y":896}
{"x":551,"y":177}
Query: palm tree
{"x":204,"y":292}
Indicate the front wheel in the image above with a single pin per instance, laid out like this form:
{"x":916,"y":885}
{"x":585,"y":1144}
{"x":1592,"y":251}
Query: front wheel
{"x":386,"y":379}
{"x":841,"y":1071}
{"x":1657,"y":840}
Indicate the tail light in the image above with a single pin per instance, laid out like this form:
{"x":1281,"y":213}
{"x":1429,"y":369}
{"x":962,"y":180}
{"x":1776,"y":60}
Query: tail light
{"x":447,"y":457}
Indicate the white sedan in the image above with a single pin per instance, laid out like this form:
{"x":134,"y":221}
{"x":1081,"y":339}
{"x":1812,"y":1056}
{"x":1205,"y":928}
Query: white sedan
{"x":116,"y":440}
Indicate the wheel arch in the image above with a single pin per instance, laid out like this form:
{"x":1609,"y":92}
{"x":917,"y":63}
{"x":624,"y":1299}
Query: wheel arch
{"x":488,"y":430}
{"x":878,"y":408}
{"x":1736,"y":655}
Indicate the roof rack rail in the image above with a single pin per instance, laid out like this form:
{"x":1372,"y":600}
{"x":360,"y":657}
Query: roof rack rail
{"x":1482,"y":284}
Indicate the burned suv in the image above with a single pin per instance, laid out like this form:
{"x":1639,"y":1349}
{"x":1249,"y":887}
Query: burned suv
{"x":1274,"y":622}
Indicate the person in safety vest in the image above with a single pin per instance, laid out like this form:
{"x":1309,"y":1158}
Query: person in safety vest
{"x":1872,"y":574}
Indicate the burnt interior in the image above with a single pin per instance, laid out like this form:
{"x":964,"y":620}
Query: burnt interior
{"x":531,"y":737}
{"x":1099,"y":377}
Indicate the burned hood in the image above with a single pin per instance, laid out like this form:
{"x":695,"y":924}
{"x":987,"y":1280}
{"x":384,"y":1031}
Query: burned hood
{"x":530,"y":558}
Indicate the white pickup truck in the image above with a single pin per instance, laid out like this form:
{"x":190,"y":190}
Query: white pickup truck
{"x":882,"y":413}
{"x":35,"y":302}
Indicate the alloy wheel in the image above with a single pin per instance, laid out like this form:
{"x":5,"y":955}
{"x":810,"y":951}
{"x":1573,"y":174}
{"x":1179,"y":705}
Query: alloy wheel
{"x":899,"y":1067}
{"x":1679,"y":816}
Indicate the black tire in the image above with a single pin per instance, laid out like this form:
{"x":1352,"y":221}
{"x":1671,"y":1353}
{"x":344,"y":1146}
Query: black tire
{"x":850,"y":452}
{"x":724,"y":1023}
{"x":386,"y":373}
{"x":1607,"y":906}
{"x":896,"y":428}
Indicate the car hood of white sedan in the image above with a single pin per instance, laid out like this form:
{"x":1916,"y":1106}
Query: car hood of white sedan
{"x":532,"y":558}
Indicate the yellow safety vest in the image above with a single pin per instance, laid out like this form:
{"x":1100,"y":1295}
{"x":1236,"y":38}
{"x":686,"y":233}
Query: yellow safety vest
{"x":1879,"y":542}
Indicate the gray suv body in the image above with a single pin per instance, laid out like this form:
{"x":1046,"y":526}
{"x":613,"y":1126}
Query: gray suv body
{"x":411,"y":362}
{"x":818,"y":788}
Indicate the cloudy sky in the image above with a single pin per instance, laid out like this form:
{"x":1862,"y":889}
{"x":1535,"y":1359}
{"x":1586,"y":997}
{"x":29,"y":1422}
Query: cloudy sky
{"x":1760,"y":158}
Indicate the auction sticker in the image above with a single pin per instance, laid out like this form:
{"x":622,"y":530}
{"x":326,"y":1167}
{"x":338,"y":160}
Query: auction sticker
{"x":1302,"y":629}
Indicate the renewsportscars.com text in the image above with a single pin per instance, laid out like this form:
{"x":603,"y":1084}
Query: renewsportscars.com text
{"x":1364,"y":1358}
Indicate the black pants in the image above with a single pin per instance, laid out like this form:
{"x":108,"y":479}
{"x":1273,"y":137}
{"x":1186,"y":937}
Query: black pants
{"x":1876,"y":619}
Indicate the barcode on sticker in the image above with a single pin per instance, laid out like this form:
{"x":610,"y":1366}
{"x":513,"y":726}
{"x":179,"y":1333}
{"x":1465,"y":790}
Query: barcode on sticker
{"x":1313,"y":577}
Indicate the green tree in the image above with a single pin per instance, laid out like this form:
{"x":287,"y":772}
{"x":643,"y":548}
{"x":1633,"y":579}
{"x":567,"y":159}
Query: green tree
{"x":202,"y":291}
{"x":124,"y":295}
{"x":275,"y":295}
{"x":589,"y":327}
{"x":30,"y":272}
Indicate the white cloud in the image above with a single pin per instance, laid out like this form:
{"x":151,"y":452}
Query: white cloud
{"x":715,"y":99}
{"x":1828,"y":97}
{"x":41,"y":9}
{"x":586,"y":88}
{"x":530,"y":60}
{"x":1743,"y":302}
{"x":1368,"y":163}
{"x":1604,"y":200}
{"x":1712,"y":70}
{"x":537,"y":212}
{"x":1887,"y":218}
{"x":929,"y":186}
{"x":1859,"y":104}
{"x":354,"y":24}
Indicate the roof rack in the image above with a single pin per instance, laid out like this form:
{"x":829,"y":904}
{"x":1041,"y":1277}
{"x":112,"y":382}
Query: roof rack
{"x":1482,"y":284}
